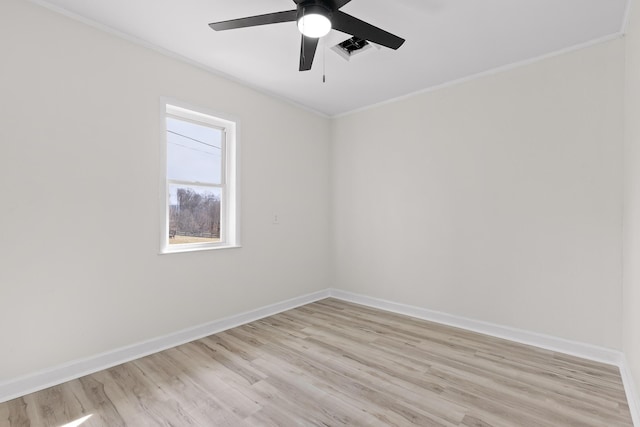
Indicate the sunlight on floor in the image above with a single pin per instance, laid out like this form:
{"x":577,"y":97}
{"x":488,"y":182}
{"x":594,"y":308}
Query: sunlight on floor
{"x":77,"y":422}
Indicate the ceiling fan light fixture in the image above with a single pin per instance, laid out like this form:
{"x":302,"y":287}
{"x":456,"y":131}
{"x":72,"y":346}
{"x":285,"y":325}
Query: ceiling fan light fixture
{"x":313,"y":21}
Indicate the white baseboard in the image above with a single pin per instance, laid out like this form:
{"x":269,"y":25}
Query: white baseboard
{"x":59,"y":374}
{"x":631,"y":391}
{"x":586,"y":351}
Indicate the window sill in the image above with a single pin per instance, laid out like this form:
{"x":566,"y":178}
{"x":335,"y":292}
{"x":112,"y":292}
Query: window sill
{"x":197,"y":249}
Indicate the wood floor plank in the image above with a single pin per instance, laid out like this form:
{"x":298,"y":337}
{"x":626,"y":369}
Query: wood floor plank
{"x":14,"y":413}
{"x":333,"y":363}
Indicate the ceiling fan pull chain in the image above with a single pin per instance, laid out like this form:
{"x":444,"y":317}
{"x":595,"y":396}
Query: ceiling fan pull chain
{"x":304,"y":60}
{"x":324,"y":61}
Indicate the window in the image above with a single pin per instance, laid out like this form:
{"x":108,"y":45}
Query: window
{"x":199,"y":191}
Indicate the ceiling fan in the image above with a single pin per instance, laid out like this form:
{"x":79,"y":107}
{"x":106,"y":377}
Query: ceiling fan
{"x":315,"y":19}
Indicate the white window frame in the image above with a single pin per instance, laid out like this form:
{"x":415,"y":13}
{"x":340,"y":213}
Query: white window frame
{"x":229,"y":204}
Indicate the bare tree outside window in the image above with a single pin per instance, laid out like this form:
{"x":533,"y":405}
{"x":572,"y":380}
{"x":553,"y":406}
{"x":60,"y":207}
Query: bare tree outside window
{"x":195,"y":216}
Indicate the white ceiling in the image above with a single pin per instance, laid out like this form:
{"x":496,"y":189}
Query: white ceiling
{"x":447,"y":40}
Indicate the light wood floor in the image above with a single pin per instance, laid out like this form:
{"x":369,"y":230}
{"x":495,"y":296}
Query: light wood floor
{"x":333,"y":363}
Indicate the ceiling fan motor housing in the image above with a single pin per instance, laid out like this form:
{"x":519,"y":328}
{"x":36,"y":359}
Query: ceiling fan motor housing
{"x":311,"y":7}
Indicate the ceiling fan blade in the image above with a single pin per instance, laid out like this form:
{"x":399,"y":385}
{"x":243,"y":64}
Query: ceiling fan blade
{"x":350,"y":25}
{"x":252,"y":21}
{"x":307,"y":52}
{"x":337,"y":4}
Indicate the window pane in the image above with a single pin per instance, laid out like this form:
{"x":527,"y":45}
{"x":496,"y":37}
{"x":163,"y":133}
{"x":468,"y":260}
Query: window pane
{"x":194,"y":152}
{"x":194,"y":214}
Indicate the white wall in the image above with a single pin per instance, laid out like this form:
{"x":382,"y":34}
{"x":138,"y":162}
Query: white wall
{"x":498,"y":199}
{"x":79,"y":185}
{"x":631,"y":262}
